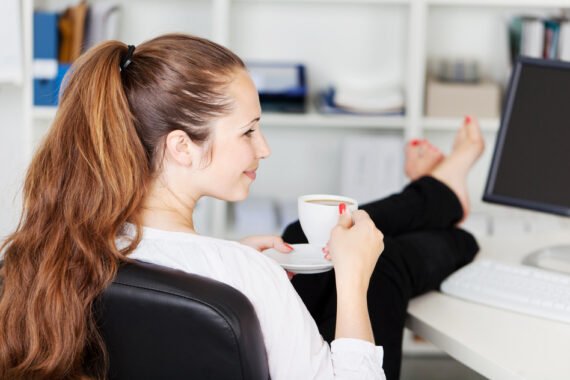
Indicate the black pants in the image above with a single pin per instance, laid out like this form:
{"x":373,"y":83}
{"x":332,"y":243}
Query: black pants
{"x":421,"y":248}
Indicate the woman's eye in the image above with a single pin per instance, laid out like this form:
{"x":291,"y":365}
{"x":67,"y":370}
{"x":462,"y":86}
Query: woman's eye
{"x":248,"y":133}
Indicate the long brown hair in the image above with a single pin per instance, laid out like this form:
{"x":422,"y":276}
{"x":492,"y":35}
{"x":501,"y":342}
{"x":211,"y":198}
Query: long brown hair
{"x":86,"y":180}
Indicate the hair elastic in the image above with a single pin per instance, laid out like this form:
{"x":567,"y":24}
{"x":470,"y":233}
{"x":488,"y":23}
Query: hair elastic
{"x":128,"y":58}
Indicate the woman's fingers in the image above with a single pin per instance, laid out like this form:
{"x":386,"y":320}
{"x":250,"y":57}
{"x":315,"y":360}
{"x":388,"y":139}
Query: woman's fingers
{"x":289,"y":274}
{"x":359,"y":216}
{"x":263,"y":242}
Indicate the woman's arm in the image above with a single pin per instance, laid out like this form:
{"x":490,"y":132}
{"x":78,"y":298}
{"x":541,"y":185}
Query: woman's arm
{"x":354,"y":247}
{"x":352,"y":320}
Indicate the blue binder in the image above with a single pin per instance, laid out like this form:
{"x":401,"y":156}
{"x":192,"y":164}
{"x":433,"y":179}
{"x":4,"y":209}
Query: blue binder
{"x":46,"y":37}
{"x":46,"y":49}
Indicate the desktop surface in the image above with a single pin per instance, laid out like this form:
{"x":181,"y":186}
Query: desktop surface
{"x":498,"y":344}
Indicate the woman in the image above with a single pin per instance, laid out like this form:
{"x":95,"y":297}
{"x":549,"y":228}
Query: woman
{"x":141,"y":134}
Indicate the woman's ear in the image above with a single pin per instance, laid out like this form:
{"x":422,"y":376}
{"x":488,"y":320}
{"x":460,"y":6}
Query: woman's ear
{"x":180,"y":148}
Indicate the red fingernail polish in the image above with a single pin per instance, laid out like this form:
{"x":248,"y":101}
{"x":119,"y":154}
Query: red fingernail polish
{"x":342,"y":208}
{"x":415,"y":142}
{"x":288,"y":246}
{"x":467,"y":119}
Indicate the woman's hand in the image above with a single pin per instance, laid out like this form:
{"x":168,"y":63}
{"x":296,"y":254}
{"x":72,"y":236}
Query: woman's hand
{"x":354,"y":248}
{"x":263,"y":242}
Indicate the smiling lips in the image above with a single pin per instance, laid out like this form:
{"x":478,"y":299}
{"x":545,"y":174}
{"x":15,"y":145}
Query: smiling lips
{"x":250,"y":174}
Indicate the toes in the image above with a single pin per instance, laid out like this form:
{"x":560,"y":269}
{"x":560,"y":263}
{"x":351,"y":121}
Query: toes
{"x":413,"y":144}
{"x":413,"y":148}
{"x":422,"y":148}
{"x":434,"y":152}
{"x":421,"y":158}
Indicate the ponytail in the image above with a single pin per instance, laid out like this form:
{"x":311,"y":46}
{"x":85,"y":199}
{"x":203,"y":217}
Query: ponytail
{"x":85,"y":181}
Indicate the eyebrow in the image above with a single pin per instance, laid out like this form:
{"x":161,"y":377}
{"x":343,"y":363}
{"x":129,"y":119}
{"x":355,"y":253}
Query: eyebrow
{"x":251,"y":122}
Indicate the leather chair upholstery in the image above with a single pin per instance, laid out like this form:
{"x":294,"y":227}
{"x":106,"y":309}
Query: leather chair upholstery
{"x":160,"y":323}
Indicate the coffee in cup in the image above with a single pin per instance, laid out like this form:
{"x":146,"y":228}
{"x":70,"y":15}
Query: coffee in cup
{"x":318,"y":214}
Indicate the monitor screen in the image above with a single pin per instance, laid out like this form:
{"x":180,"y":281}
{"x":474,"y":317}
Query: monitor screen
{"x":531,"y":162}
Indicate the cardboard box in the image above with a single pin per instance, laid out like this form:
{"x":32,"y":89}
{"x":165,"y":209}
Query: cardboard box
{"x":452,"y":99}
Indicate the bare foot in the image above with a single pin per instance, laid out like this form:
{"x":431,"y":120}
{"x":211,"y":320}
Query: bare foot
{"x":453,"y":170}
{"x":421,"y":158}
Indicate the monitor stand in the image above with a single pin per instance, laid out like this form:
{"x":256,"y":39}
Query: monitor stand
{"x":555,"y":258}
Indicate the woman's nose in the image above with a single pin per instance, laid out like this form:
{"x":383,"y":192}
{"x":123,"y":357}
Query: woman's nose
{"x":263,"y":150}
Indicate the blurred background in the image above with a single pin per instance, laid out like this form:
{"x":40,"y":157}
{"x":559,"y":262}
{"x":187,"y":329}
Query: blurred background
{"x":344,"y":84}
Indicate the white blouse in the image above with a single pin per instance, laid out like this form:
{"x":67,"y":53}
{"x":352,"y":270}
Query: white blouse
{"x":295,"y":349}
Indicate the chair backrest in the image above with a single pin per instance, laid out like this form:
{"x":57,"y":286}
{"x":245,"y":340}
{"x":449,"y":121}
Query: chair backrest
{"x":160,"y":323}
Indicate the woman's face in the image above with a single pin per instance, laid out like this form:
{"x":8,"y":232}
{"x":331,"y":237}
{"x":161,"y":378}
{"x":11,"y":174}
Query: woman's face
{"x":237,"y":144}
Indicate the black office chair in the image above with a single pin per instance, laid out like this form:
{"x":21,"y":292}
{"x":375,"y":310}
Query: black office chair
{"x":160,"y":323}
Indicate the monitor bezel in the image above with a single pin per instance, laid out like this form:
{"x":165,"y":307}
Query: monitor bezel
{"x":488,"y":195}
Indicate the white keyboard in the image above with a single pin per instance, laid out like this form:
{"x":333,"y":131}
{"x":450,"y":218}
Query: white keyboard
{"x":519,"y":288}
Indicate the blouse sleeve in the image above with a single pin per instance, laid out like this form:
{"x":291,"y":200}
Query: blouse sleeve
{"x":295,"y":348}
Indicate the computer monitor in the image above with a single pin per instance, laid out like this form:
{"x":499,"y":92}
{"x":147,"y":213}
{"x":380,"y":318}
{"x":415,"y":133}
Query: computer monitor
{"x":531,"y":162}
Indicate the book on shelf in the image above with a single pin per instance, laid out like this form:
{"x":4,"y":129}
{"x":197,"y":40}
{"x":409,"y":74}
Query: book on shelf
{"x":532,"y":38}
{"x":45,"y":66}
{"x":551,"y":37}
{"x":564,"y":41}
{"x":282,"y":86}
{"x":72,"y":29}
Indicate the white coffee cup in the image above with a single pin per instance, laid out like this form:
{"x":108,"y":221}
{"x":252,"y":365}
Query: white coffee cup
{"x":318,"y":214}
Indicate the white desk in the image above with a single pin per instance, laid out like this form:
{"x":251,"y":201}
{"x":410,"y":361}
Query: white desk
{"x":496,"y":343}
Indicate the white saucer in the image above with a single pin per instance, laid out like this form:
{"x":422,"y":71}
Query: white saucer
{"x":304,"y":259}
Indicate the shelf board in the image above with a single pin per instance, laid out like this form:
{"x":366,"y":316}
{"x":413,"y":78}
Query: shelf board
{"x":316,"y":120}
{"x":46,"y":113}
{"x":350,"y":2}
{"x":452,"y":123}
{"x":311,"y":120}
{"x":502,"y":3}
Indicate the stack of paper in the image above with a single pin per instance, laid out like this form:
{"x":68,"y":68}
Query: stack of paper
{"x":372,"y":167}
{"x":362,"y":96}
{"x":369,"y":99}
{"x":362,"y":101}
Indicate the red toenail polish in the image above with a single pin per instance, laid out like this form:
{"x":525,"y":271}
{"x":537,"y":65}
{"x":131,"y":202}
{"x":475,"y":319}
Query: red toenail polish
{"x":467,"y":119}
{"x":415,"y":142}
